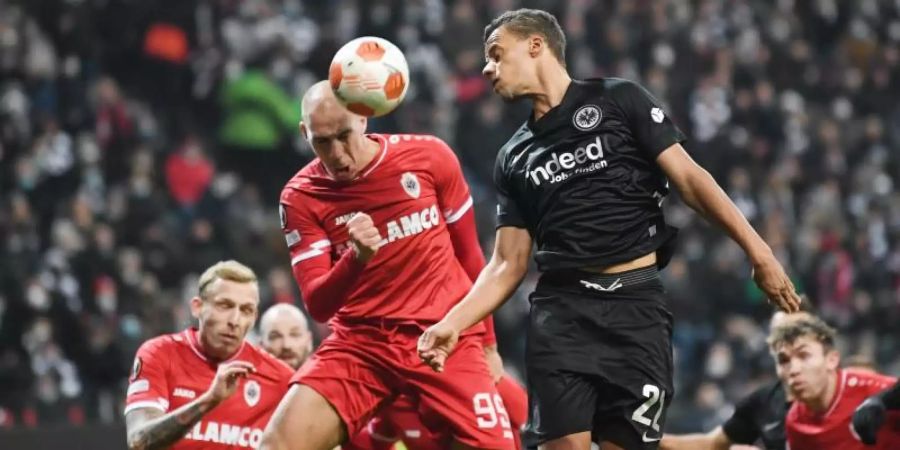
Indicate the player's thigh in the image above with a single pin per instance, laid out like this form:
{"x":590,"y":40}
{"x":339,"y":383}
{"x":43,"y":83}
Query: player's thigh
{"x":561,"y":404}
{"x":465,"y":397}
{"x":304,"y":420}
{"x":515,"y":399}
{"x":637,"y":392}
{"x":351,"y":376}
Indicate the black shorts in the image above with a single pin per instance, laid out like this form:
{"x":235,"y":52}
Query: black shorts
{"x":599,"y":358}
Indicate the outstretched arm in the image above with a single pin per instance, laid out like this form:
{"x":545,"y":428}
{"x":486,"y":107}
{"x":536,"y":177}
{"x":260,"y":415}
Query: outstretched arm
{"x":701,"y":192}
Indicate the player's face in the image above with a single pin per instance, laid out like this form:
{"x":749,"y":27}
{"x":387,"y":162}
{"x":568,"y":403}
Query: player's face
{"x":225,"y":316}
{"x":337,"y":137}
{"x":805,"y":366}
{"x":510,"y":63}
{"x":288,"y":339}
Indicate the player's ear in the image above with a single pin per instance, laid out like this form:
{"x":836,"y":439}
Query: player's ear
{"x":196,"y":306}
{"x":832,"y":359}
{"x":535,"y":45}
{"x":303,"y":131}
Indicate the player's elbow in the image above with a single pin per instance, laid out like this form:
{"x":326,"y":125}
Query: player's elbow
{"x":508,"y":270}
{"x":135,"y":440}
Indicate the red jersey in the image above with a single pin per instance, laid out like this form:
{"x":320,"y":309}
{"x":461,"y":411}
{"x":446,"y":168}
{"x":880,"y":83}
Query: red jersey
{"x":807,"y":430}
{"x":412,"y":189}
{"x":171,"y":370}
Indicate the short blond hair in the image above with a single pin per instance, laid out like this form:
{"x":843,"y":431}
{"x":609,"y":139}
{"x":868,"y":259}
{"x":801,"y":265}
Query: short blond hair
{"x":230,"y":270}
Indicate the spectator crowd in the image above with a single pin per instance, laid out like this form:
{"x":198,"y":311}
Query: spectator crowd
{"x":141,"y":141}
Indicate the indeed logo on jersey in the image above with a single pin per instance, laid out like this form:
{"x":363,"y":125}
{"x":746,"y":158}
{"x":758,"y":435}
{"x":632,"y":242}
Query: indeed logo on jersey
{"x":412,"y":224}
{"x":224,"y":433}
{"x":563,"y":165}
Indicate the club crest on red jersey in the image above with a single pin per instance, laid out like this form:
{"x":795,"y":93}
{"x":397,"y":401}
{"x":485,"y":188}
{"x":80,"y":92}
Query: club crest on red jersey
{"x":410,"y":184}
{"x":251,"y":392}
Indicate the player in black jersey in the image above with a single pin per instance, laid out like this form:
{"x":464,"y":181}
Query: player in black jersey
{"x":584,"y":179}
{"x":757,"y":417}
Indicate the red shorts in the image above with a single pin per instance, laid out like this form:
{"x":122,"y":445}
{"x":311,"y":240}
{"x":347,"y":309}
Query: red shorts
{"x":402,"y":420}
{"x":357,"y":369}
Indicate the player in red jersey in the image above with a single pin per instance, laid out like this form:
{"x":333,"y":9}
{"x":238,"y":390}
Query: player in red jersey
{"x":381,"y":233}
{"x":182,"y":386}
{"x":402,"y":422}
{"x":285,"y":334}
{"x":825,"y":395}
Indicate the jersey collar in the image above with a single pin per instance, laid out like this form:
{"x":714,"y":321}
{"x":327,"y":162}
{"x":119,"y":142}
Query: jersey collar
{"x":562,"y":111}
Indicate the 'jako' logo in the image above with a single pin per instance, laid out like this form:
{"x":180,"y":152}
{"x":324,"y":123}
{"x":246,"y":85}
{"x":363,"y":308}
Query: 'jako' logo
{"x":553,"y":169}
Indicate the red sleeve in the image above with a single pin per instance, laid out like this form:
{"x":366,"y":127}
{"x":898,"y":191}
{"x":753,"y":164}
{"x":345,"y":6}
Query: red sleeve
{"x":148,"y":384}
{"x":464,"y":236}
{"x":452,"y":190}
{"x":323,"y":286}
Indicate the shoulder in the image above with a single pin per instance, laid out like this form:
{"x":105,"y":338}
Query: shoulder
{"x":868,"y":381}
{"x":303,"y":179}
{"x":267,"y":364}
{"x":513,"y":146}
{"x":416,"y":145}
{"x":158,"y":352}
{"x":619,"y":86}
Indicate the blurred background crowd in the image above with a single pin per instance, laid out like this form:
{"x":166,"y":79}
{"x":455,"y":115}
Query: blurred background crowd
{"x":141,"y":141}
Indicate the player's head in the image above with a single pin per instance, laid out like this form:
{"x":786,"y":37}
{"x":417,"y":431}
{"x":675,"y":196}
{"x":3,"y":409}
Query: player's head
{"x":336,"y":135}
{"x":285,"y":334}
{"x":226,"y":306}
{"x":805,"y":356}
{"x":519,"y":47}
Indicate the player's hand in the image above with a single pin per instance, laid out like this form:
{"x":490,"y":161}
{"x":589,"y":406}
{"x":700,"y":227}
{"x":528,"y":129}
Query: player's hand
{"x":868,"y":418}
{"x":770,"y":276}
{"x":364,"y":236}
{"x":227,"y":379}
{"x":436,"y":343}
{"x":494,"y":362}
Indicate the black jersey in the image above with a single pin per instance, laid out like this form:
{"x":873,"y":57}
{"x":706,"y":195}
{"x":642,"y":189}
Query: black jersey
{"x":760,"y":416}
{"x":583,"y":179}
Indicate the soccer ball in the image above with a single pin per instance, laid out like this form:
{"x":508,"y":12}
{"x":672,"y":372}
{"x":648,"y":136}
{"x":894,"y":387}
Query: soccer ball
{"x":369,"y":76}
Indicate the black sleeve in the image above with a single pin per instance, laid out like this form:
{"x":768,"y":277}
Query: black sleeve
{"x":891,"y":397}
{"x":508,"y":214}
{"x":650,"y":124}
{"x":741,"y":428}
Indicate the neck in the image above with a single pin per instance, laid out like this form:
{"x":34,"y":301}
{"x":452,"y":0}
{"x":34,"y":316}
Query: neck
{"x":821,"y":404}
{"x":552,"y":86}
{"x":370,"y":149}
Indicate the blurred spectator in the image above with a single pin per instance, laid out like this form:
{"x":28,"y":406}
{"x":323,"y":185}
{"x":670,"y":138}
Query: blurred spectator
{"x":106,"y":212}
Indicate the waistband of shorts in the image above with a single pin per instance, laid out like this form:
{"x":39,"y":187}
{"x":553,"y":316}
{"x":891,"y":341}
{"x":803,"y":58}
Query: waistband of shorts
{"x":601,"y":282}
{"x":381,"y":323}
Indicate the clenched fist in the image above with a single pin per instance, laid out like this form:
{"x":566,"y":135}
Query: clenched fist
{"x":364,"y":236}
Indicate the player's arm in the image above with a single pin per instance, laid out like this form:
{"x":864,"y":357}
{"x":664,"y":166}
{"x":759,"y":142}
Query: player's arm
{"x":660,"y":139}
{"x":325,"y":285}
{"x":496,"y":283}
{"x":151,"y":428}
{"x":870,"y":415}
{"x":714,"y":440}
{"x":701,"y":192}
{"x":464,"y":235}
